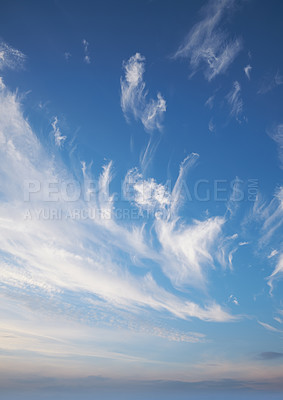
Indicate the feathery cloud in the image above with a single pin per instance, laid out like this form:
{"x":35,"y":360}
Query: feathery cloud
{"x":247,"y":71}
{"x":207,"y":46}
{"x":270,"y":82}
{"x":210,"y":102}
{"x":272,"y":215}
{"x":86,"y":52}
{"x":59,"y":138}
{"x":272,"y":253}
{"x":235,"y":197}
{"x":269,"y":215}
{"x":134,"y":95}
{"x":269,"y":327}
{"x":277,"y":273}
{"x":277,"y":135}
{"x":186,"y":250}
{"x":211,"y":126}
{"x":67,"y":55}
{"x":234,"y":299}
{"x":147,"y":194}
{"x":10,"y":58}
{"x":235,"y":100}
{"x":2,"y":84}
{"x":42,"y":256}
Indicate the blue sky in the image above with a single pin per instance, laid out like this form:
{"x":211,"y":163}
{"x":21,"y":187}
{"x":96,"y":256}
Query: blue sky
{"x":141,"y":199}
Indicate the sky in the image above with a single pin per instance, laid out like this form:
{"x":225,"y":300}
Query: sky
{"x":141,"y":199}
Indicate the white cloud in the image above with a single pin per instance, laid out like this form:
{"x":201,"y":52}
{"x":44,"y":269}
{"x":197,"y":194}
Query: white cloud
{"x":2,"y":84}
{"x":211,"y":126}
{"x":67,"y":55}
{"x":270,"y":82}
{"x":247,"y":71}
{"x":277,"y":273}
{"x":134,"y":95}
{"x":147,"y":194}
{"x":86,"y":52}
{"x":207,"y":45}
{"x":269,"y":327}
{"x":187,"y":250}
{"x":272,"y":215}
{"x":277,"y":135}
{"x":226,"y":250}
{"x":235,"y":197}
{"x":153,"y":113}
{"x":47,"y":257}
{"x":147,"y":154}
{"x":272,"y":253}
{"x":180,"y":185}
{"x":59,"y":138}
{"x":235,"y":100}
{"x":87,"y":59}
{"x":10,"y":58}
{"x":269,"y":215}
{"x":234,"y":299}
{"x":210,"y":102}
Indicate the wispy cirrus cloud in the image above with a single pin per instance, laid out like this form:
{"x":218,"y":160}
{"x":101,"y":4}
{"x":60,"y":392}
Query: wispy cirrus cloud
{"x":211,"y":126}
{"x":67,"y":55}
{"x":210,"y":102}
{"x":186,"y":251}
{"x":146,"y":194}
{"x":269,"y":216}
{"x":207,"y":46}
{"x":270,"y":82}
{"x":86,"y":52}
{"x":134,"y":96}
{"x":269,"y":327}
{"x":235,"y":197}
{"x":272,"y":253}
{"x":235,"y":101}
{"x":10,"y":58}
{"x":247,"y":71}
{"x":40,"y":255}
{"x":277,"y":272}
{"x":233,"y":299}
{"x":59,"y":138}
{"x":277,"y":135}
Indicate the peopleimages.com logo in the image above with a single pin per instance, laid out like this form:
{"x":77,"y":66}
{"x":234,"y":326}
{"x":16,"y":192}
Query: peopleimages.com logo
{"x":202,"y":190}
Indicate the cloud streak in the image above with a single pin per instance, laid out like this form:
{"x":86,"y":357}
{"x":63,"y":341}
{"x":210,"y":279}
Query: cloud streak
{"x":42,"y":255}
{"x":270,"y":82}
{"x":86,"y":52}
{"x":10,"y":58}
{"x":134,"y":96}
{"x":247,"y":71}
{"x":269,"y":327}
{"x":59,"y":138}
{"x":277,"y":135}
{"x":207,"y":46}
{"x":235,"y":100}
{"x":277,"y":272}
{"x":186,"y":251}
